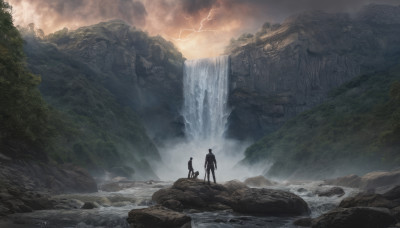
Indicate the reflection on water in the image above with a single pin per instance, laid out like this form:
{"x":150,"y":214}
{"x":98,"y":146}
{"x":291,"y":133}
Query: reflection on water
{"x":114,"y":208}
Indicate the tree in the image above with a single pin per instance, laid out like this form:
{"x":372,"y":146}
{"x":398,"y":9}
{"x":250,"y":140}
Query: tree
{"x":23,"y":113}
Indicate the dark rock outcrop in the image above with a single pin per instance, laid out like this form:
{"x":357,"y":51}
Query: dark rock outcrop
{"x":351,"y":181}
{"x":158,"y":217}
{"x":334,"y":191}
{"x":363,"y":210}
{"x":258,"y":181}
{"x":368,"y":200}
{"x":373,"y":181}
{"x":303,"y":222}
{"x":289,"y":68}
{"x":26,"y":185}
{"x":366,"y":217}
{"x":89,"y":205}
{"x":194,"y":194}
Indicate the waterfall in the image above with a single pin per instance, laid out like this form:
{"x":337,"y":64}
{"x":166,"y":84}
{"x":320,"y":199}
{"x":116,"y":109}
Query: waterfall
{"x":205,"y":111}
{"x":205,"y":87}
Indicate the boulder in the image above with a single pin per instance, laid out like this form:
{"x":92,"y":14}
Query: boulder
{"x":90,"y":205}
{"x":268,"y":202}
{"x":365,"y":217}
{"x":370,"y":181}
{"x":334,"y":191}
{"x":173,"y":204}
{"x":367,"y":200}
{"x":304,"y":222}
{"x":194,"y":194}
{"x":396,"y":213}
{"x":258,"y":181}
{"x":380,"y":179}
{"x":393,"y":194}
{"x":351,"y":181}
{"x":158,"y":217}
{"x":111,"y":187}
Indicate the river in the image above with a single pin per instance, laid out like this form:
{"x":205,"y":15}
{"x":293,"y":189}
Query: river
{"x":114,"y":207}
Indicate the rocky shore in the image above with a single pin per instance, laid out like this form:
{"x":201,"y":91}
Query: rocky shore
{"x":195,"y":195}
{"x":26,"y":186}
{"x":377,"y":205}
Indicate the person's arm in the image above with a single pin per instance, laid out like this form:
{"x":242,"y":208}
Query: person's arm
{"x":215,"y":161}
{"x":205,"y":162}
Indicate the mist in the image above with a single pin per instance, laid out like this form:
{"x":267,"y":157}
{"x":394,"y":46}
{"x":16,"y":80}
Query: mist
{"x":228,"y":153}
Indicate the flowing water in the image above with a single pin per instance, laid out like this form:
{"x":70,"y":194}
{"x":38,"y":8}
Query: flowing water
{"x":114,"y":208}
{"x":205,"y":112}
{"x":205,"y":88}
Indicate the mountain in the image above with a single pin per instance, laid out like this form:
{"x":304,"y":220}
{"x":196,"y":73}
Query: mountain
{"x":142,"y":72}
{"x":356,"y":130}
{"x":112,"y":86}
{"x":286,"y":69}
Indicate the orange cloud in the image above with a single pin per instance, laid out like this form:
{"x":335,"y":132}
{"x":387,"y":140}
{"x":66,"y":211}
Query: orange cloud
{"x":199,"y":28}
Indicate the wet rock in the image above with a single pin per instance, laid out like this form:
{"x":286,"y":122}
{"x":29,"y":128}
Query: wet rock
{"x":268,"y":202}
{"x":351,"y":181}
{"x":396,"y":213}
{"x":111,"y":187}
{"x":194,"y":194}
{"x":68,"y":204}
{"x":158,"y":217}
{"x":367,"y":200}
{"x":173,"y":204}
{"x":365,"y":217}
{"x":380,"y":179}
{"x":304,"y":222}
{"x":258,"y":181}
{"x":301,"y":190}
{"x":334,"y":191}
{"x":90,"y":205}
{"x":370,"y":181}
{"x":393,"y":194}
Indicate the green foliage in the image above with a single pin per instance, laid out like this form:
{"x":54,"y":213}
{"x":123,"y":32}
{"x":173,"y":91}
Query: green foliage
{"x":356,"y":130}
{"x":23,"y":113}
{"x":94,"y":129}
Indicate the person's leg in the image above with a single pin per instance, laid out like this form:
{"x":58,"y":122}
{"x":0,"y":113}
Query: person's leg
{"x":208,"y":175}
{"x":212,"y":170}
{"x":189,"y":174}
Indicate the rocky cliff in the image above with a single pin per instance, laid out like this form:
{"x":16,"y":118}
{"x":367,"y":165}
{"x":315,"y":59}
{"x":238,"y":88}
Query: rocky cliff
{"x":286,"y":69}
{"x":143,"y":72}
{"x":115,"y":89}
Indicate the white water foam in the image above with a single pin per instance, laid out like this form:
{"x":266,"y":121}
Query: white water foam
{"x":205,"y":112}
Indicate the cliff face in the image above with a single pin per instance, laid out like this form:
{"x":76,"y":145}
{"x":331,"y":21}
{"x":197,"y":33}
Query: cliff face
{"x":286,"y":69}
{"x":115,"y":88}
{"x":356,"y":130}
{"x":143,"y":72}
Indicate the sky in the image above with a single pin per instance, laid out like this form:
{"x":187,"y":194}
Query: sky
{"x":199,"y":28}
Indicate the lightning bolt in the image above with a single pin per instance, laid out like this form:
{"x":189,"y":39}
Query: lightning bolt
{"x":192,"y":31}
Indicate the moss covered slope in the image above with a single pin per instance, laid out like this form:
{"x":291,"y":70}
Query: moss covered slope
{"x":355,"y":131}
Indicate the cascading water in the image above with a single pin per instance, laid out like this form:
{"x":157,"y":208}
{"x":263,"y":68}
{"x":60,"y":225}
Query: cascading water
{"x":205,"y":108}
{"x":205,"y":112}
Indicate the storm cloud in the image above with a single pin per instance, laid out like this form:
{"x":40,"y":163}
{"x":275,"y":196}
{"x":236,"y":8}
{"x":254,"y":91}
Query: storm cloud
{"x":200,"y":28}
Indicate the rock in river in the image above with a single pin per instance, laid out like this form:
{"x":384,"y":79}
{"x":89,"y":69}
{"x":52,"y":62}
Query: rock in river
{"x":365,"y":217}
{"x":194,"y":194}
{"x":339,"y":192}
{"x":258,"y":181}
{"x":157,"y":217}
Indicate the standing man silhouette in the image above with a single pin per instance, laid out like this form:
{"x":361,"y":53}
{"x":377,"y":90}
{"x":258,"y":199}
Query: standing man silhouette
{"x":209,"y":164}
{"x":190,"y":167}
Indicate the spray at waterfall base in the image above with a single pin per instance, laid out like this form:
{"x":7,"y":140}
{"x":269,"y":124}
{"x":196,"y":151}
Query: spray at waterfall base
{"x":205,"y":112}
